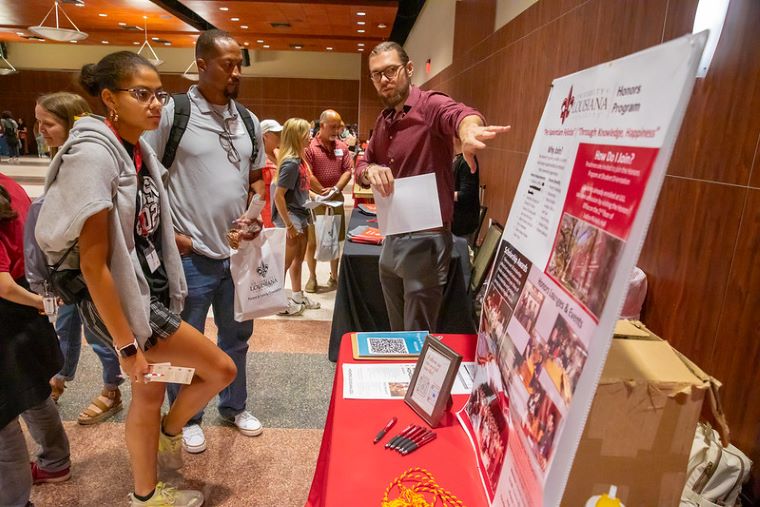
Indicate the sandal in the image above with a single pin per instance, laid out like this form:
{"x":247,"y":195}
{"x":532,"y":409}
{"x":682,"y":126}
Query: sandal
{"x":104,"y":405}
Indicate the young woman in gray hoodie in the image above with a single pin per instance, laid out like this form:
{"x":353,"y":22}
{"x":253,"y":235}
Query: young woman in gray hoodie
{"x":104,"y":197}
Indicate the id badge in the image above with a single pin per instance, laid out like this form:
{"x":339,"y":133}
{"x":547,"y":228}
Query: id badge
{"x":152,"y":257}
{"x":338,"y":152}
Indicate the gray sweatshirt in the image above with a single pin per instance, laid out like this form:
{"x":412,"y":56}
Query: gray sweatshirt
{"x":93,"y":172}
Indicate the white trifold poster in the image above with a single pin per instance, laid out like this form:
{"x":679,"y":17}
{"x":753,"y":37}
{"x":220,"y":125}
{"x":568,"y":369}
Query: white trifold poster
{"x":574,"y":233}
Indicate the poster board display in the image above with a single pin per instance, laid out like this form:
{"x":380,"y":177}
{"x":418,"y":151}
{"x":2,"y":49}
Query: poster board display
{"x":574,"y":233}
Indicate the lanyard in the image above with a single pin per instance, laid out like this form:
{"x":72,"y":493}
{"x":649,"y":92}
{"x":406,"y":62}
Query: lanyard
{"x":137,"y":157}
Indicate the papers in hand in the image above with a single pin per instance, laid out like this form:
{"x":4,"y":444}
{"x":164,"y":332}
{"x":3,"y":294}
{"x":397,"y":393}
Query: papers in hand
{"x":322,"y":201}
{"x":165,"y":372}
{"x":413,"y":206}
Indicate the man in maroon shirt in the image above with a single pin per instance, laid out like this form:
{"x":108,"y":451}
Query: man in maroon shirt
{"x":412,"y":136}
{"x":331,"y":165}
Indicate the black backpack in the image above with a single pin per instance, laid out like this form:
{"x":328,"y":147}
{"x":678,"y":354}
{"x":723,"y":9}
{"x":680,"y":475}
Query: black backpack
{"x":10,"y":130}
{"x":182,"y":117}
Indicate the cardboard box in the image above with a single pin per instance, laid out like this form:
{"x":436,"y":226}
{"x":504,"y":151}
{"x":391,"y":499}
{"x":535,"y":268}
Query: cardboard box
{"x":642,"y":422}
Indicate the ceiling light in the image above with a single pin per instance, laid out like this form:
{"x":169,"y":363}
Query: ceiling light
{"x":234,"y":19}
{"x":361,"y":49}
{"x":121,"y":23}
{"x":192,"y":76}
{"x":155,"y":60}
{"x":361,"y":13}
{"x":247,"y":44}
{"x":9,"y":68}
{"x":360,"y":44}
{"x":382,"y":25}
{"x":74,"y":41}
{"x":266,"y":46}
{"x":20,"y":34}
{"x":329,"y":48}
{"x":56,"y":32}
{"x":225,"y":9}
{"x":260,"y":41}
{"x":244,"y":27}
{"x":360,"y":30}
{"x":136,"y":43}
{"x":167,"y":43}
{"x":104,"y":42}
{"x":103,"y":15}
{"x":361,"y":22}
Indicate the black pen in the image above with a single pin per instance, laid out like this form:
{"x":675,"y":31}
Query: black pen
{"x":428,"y":438}
{"x":385,"y":430}
{"x":407,"y":439}
{"x":395,"y":439}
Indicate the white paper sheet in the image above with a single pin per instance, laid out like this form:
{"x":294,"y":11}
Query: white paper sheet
{"x":390,"y":381}
{"x":413,"y":206}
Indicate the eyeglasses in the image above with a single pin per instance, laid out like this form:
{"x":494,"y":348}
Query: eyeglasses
{"x":225,"y":139}
{"x":144,"y":95}
{"x":389,"y":72}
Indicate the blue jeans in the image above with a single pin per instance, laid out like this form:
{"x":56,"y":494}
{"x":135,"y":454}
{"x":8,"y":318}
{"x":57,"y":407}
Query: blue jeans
{"x":69,"y":329}
{"x":209,"y":284}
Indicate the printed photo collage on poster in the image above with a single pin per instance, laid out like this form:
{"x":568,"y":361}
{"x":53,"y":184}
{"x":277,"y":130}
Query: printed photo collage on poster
{"x":536,"y":326}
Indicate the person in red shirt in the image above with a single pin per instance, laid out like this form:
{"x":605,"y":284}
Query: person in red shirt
{"x":270,"y":133}
{"x":29,"y":356}
{"x":412,"y":136}
{"x":331,"y":166}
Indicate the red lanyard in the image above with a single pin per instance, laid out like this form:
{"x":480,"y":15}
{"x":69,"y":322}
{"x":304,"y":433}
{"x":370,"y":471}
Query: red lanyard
{"x":137,"y":157}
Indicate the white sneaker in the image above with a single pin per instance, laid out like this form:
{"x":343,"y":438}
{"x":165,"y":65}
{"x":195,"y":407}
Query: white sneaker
{"x":293,"y":309}
{"x":193,"y":439}
{"x":247,"y":424}
{"x":311,"y":305}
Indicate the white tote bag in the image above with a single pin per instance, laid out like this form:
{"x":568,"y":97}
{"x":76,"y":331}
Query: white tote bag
{"x":327,"y":229}
{"x":258,"y":270}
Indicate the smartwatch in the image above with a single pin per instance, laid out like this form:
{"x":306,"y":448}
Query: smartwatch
{"x":128,"y":350}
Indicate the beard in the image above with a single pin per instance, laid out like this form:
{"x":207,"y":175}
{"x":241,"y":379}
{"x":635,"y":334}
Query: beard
{"x":232,"y":91}
{"x":401,"y":93}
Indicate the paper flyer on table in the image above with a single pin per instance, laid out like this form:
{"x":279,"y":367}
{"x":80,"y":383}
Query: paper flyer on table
{"x":390,"y":381}
{"x":575,"y":230}
{"x":413,"y":206}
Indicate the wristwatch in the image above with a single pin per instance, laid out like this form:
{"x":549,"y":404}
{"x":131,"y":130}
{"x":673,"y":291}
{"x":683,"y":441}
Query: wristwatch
{"x":128,"y":350}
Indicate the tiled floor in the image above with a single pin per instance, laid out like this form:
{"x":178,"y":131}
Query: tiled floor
{"x":289,"y":384}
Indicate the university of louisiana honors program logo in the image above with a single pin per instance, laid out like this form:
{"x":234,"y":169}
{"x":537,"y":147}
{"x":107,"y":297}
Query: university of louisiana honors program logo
{"x":567,"y":103}
{"x":262,"y":269}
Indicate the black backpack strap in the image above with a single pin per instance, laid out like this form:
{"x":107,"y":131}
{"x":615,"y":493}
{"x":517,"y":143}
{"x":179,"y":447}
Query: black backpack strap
{"x":179,"y":125}
{"x":250,"y":127}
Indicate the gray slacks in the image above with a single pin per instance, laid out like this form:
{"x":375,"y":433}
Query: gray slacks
{"x":46,"y":429}
{"x":414,"y":268}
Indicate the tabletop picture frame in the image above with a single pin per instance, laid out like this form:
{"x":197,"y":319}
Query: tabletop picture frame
{"x":429,"y":390}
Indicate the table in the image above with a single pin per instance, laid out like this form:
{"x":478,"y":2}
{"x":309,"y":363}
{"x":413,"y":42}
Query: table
{"x":352,"y":471}
{"x":359,"y":303}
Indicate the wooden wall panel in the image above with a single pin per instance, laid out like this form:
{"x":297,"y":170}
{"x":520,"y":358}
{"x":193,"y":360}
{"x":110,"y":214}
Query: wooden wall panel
{"x":700,"y":255}
{"x":474,"y":23}
{"x":278,"y":98}
{"x":737,"y":347}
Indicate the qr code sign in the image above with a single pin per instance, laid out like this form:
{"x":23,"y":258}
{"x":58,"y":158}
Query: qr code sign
{"x":387,"y":346}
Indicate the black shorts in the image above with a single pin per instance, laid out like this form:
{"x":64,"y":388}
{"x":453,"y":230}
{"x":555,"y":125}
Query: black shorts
{"x":163,"y":322}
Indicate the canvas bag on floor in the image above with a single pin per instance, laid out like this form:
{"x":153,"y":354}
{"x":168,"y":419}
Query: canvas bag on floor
{"x":327,"y":229}
{"x":258,"y":270}
{"x":715,"y":473}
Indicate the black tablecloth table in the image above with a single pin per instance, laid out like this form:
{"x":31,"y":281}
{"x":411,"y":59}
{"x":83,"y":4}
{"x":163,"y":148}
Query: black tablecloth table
{"x":359,"y":303}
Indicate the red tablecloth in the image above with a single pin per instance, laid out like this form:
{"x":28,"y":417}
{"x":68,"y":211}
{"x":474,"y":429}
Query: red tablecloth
{"x":352,"y":471}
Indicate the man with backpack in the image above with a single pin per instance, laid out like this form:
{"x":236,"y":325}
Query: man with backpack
{"x":10,"y":132}
{"x":212,"y":149}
